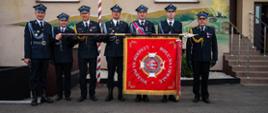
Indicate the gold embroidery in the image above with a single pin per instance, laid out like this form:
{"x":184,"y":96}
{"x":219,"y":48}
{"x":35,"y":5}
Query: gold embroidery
{"x":79,"y":37}
{"x":200,"y":40}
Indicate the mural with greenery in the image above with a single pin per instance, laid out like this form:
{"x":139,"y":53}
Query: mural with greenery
{"x":218,"y":17}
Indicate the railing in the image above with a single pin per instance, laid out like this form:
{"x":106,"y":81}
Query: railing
{"x":235,"y":31}
{"x":264,"y":35}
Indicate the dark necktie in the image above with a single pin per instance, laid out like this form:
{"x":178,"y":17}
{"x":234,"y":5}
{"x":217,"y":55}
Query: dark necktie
{"x":41,"y":24}
{"x":170,"y":24}
{"x":170,"y":27}
{"x":87,"y":25}
{"x":142,"y":23}
{"x":202,"y":28}
{"x":62,"y":30}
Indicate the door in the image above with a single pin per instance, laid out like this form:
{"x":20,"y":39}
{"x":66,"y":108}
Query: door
{"x":261,"y":12}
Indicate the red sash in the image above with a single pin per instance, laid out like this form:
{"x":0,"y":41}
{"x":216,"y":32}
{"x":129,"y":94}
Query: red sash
{"x":137,"y":27}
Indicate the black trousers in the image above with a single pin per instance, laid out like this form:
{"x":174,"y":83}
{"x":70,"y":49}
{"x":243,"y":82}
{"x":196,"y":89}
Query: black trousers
{"x":201,"y":70}
{"x":115,"y":64}
{"x":38,"y":77}
{"x":63,"y":83}
{"x":87,"y":65}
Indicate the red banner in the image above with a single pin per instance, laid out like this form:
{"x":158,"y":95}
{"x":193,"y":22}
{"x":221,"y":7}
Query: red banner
{"x":152,"y":65}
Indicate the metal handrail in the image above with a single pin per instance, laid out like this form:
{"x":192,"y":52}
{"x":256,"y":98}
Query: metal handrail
{"x":237,"y":30}
{"x":240,"y":36}
{"x":234,"y":28}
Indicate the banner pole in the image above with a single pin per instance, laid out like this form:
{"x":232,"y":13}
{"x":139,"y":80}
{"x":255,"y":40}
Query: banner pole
{"x":99,"y":43}
{"x":178,"y":73}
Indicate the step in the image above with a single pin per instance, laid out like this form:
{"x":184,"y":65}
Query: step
{"x":249,"y":68}
{"x":252,"y":73}
{"x":236,"y":38}
{"x":256,"y":81}
{"x":236,"y":45}
{"x":246,"y":57}
{"x":246,"y":53}
{"x":246,"y":62}
{"x":243,"y":48}
{"x":244,"y":43}
{"x":252,"y":52}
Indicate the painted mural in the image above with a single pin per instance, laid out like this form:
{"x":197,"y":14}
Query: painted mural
{"x":218,"y":17}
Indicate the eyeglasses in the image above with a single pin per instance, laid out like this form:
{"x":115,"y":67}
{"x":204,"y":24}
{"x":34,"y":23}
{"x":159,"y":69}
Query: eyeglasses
{"x":201,"y":18}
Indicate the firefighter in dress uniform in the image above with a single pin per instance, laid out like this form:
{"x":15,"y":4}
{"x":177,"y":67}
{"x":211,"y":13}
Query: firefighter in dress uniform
{"x":87,"y":53}
{"x":142,"y":27}
{"x":201,"y":54}
{"x":170,"y":26}
{"x":37,"y":53}
{"x":114,"y":52}
{"x":63,"y":57}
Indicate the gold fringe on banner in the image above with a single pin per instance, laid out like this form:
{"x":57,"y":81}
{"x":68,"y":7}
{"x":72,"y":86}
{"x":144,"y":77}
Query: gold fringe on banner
{"x":137,"y":91}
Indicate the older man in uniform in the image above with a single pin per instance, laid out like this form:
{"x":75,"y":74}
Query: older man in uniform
{"x":37,"y":53}
{"x":87,"y":53}
{"x":202,"y":53}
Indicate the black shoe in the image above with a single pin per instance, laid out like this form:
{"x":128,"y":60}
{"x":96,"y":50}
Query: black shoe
{"x":121,"y":98}
{"x":196,"y":99}
{"x":110,"y":95}
{"x":58,"y":98}
{"x":145,"y":98}
{"x":138,"y":98}
{"x":68,"y":98}
{"x":46,"y":100}
{"x":34,"y":102}
{"x":206,"y":101}
{"x":81,"y":99}
{"x":164,"y":99}
{"x":93,"y":98}
{"x":109,"y":98}
{"x":172,"y":98}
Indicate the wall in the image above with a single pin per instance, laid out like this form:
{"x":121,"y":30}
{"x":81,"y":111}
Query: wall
{"x":14,"y":14}
{"x":243,"y":18}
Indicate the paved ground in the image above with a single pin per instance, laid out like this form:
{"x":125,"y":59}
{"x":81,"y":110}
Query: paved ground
{"x":227,"y":98}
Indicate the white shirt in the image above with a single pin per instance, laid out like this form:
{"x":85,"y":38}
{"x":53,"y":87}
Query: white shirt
{"x":202,"y":28}
{"x":140,"y":21}
{"x":172,"y":22}
{"x":115,"y":21}
{"x":62,"y":29}
{"x":86,"y":23}
{"x":40,"y":21}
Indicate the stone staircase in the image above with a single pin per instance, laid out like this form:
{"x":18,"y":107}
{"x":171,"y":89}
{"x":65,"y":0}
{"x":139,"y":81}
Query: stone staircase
{"x":250,"y":66}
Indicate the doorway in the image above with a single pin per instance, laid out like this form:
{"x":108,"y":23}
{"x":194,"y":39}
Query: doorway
{"x":261,"y":12}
